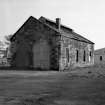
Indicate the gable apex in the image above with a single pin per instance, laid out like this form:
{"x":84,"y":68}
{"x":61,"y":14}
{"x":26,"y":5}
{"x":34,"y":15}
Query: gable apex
{"x":31,"y":18}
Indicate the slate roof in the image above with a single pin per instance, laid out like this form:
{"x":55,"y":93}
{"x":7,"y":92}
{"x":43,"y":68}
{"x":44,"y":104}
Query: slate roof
{"x":65,"y":31}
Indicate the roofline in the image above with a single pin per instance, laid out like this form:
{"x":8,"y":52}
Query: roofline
{"x":50,"y":28}
{"x":76,"y":39}
{"x":88,"y":41}
{"x":83,"y":37}
{"x":26,"y":23}
{"x":20,"y":28}
{"x":100,"y":49}
{"x":55,"y":23}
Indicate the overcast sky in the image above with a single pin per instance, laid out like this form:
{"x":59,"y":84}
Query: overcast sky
{"x":86,"y":17}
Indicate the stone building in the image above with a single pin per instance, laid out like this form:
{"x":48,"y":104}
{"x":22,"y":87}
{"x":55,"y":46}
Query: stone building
{"x":46,"y":44}
{"x":99,"y":56}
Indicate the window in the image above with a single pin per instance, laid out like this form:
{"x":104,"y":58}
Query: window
{"x":76,"y":55}
{"x":84,"y":56}
{"x":90,"y":53}
{"x":100,"y":58}
{"x":67,"y":54}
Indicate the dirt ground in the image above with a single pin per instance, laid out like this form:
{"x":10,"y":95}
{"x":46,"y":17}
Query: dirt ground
{"x":84,"y":86}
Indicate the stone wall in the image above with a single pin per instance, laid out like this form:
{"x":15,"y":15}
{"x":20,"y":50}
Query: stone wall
{"x":29,"y":36}
{"x":75,"y":53}
{"x":99,"y":56}
{"x":63,"y":52}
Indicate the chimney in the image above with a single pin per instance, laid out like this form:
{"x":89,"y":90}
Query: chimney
{"x":58,"y":23}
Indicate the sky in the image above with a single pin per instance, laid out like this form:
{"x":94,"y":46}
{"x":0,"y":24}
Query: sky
{"x":85,"y":17}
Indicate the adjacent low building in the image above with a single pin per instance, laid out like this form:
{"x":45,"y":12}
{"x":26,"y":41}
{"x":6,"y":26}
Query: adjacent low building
{"x":99,"y":56}
{"x":46,"y":44}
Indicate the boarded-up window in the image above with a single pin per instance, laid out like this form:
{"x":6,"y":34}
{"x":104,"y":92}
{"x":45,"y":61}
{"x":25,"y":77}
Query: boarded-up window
{"x":67,"y":54}
{"x":76,"y":55}
{"x":84,"y":56}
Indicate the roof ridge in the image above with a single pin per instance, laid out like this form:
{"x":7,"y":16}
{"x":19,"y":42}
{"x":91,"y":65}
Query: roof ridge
{"x":55,"y":22}
{"x":75,"y":35}
{"x":64,"y":30}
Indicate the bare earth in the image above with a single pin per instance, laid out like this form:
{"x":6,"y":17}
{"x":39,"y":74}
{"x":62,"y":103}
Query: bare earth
{"x":76,"y":87}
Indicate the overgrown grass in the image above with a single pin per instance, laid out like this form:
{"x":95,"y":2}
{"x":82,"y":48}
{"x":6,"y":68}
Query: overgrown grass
{"x":80,"y":87}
